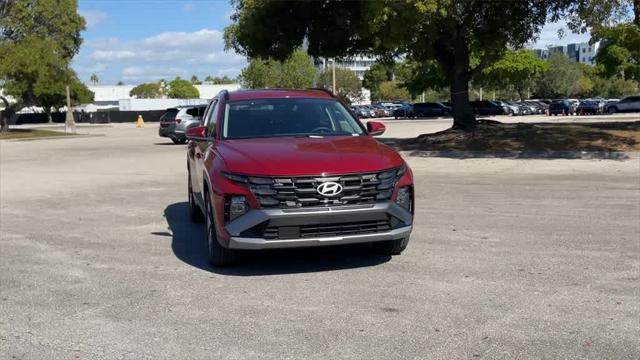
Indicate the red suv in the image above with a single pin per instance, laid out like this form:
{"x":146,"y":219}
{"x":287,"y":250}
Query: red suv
{"x":293,"y":168}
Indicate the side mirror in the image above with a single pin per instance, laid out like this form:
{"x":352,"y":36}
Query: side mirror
{"x":375,"y":128}
{"x":197,"y":133}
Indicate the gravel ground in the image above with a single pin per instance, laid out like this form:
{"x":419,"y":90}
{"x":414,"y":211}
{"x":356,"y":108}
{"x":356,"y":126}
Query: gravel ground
{"x":508,"y":259}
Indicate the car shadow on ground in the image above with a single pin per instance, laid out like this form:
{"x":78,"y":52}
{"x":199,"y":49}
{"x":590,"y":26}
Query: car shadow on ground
{"x":189,"y":245}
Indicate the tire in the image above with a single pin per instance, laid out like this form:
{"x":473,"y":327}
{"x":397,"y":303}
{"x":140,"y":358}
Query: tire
{"x":218,"y":255}
{"x":196,"y":213}
{"x":393,"y":247}
{"x":612,"y":110}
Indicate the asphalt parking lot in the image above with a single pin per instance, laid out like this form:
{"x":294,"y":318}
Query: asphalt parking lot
{"x":508,"y":259}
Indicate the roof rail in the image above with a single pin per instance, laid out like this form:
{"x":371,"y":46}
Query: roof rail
{"x":323,"y":90}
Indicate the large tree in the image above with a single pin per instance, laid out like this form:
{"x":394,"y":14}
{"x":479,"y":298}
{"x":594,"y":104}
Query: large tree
{"x":516,"y":69}
{"x":182,"y":89}
{"x":462,"y":36}
{"x":147,"y":91}
{"x":348,"y":86}
{"x":619,"y":54}
{"x":296,"y":71}
{"x":376,"y":75}
{"x":560,"y":79}
{"x":38,"y":39}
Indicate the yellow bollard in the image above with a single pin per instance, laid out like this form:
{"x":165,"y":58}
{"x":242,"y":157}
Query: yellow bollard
{"x":140,"y":122}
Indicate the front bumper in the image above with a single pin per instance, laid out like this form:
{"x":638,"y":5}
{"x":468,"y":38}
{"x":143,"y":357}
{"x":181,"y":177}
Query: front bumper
{"x":241,"y":237}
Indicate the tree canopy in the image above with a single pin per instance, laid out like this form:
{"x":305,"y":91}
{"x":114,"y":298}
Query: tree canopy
{"x":219,"y":80}
{"x":462,"y":37}
{"x":516,"y":69}
{"x":619,"y":54}
{"x":294,"y":72}
{"x":147,"y":91}
{"x":393,"y":90}
{"x":348,"y":86}
{"x":182,"y":89}
{"x":46,"y":30}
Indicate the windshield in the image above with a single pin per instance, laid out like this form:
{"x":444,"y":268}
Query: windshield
{"x":287,"y":117}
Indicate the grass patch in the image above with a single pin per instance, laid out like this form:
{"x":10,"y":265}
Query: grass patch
{"x":494,"y":136}
{"x":30,"y":134}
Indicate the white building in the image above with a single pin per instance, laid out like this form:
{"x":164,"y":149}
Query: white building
{"x":358,"y":64}
{"x":586,"y":53}
{"x":583,"y":53}
{"x":117,"y":96}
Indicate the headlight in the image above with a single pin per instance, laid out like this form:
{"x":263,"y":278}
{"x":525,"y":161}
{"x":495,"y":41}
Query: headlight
{"x":237,"y":206}
{"x":404,"y":197}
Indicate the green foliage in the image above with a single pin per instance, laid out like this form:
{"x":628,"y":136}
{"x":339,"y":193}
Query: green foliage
{"x":619,"y":54}
{"x":195,"y":80}
{"x":55,"y":20}
{"x":559,"y":81}
{"x":516,"y":69}
{"x":94,"y":79}
{"x":38,"y":39}
{"x":219,"y":80}
{"x":393,"y":90}
{"x":376,"y":75}
{"x":296,"y":72}
{"x":120,"y":83}
{"x":450,"y":32}
{"x":418,"y":78}
{"x":182,"y":89}
{"x":348,"y":86}
{"x":147,"y":91}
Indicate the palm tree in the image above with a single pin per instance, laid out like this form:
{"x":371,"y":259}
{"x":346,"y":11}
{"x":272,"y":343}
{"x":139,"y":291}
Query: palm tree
{"x":94,"y":79}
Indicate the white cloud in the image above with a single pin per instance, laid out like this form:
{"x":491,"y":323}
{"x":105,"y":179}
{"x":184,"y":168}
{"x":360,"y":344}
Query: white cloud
{"x":93,"y":17}
{"x":164,"y":55}
{"x":550,"y":35}
{"x":110,"y":55}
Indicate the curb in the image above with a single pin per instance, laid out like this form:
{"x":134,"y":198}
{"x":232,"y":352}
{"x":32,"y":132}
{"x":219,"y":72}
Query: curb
{"x":570,"y":155}
{"x":77,"y":136}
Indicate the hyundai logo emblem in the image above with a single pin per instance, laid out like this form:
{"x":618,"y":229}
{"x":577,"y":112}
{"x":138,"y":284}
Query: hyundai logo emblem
{"x":329,"y":188}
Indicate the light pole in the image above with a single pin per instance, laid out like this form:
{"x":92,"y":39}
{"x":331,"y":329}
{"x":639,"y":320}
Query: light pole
{"x":69,"y":124}
{"x":333,"y":70}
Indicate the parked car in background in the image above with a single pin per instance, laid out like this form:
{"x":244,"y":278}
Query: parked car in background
{"x":274,"y":169}
{"x":588,"y":107}
{"x":628,"y":104}
{"x":540,"y":106}
{"x":361,"y":112}
{"x":175,"y":122}
{"x":431,"y":109}
{"x":561,"y":107}
{"x":486,"y":107}
{"x":511,"y":109}
{"x":405,"y":110}
{"x":574,"y":105}
{"x":385,"y":112}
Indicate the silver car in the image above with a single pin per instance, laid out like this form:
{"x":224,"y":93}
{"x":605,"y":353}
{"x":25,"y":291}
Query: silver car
{"x":628,"y":104}
{"x":175,"y":121}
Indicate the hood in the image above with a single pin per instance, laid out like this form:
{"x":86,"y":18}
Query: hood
{"x":287,"y":156}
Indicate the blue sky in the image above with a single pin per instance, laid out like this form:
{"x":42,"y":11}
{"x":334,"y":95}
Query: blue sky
{"x":136,"y":41}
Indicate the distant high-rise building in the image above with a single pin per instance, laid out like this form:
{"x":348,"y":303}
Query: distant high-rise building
{"x":583,"y":53}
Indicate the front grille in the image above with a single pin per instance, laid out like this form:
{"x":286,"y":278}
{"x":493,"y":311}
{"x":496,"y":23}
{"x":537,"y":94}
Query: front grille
{"x":296,"y":192}
{"x":326,"y":230}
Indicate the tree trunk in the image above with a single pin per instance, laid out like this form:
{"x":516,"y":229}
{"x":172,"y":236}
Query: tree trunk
{"x":459,"y":78}
{"x":49,"y":116}
{"x":463,"y":117}
{"x":5,"y":115}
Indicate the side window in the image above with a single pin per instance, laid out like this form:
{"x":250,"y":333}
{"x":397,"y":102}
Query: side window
{"x":211,"y":117}
{"x":193,"y":112}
